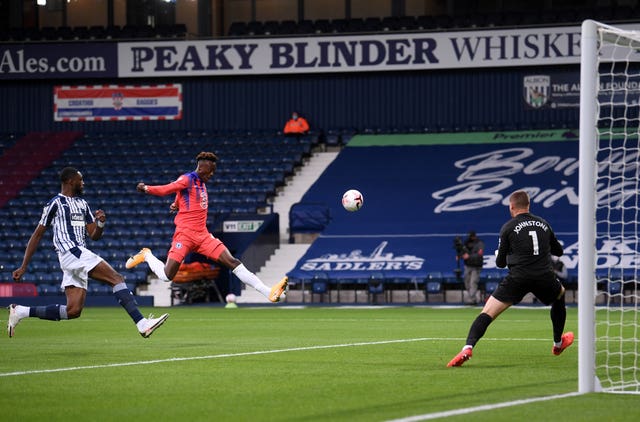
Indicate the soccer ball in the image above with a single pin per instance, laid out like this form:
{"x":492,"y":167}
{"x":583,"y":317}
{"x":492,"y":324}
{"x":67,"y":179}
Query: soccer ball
{"x":231,"y":298}
{"x":352,"y":200}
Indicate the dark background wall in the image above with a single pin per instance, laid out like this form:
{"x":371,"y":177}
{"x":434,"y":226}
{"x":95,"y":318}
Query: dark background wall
{"x":391,"y":101}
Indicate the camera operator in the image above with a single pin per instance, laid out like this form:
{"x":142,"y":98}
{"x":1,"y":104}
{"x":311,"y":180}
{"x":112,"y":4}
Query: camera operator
{"x":471,"y":252}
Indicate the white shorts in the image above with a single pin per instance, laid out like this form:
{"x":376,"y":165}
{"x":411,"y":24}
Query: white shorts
{"x":75,"y":265}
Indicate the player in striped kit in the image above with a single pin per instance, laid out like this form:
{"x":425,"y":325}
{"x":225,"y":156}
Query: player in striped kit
{"x":191,"y":233}
{"x":72,"y":221}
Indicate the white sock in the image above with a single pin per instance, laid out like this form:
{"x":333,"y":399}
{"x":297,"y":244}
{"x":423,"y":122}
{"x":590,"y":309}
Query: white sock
{"x":142,"y":325}
{"x":22,"y":311}
{"x":247,"y":277}
{"x":156,"y":266}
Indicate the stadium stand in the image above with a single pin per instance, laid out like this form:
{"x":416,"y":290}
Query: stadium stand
{"x":320,"y":286}
{"x":7,"y":140}
{"x":237,"y":29}
{"x":15,"y":175}
{"x":97,"y":32}
{"x":434,"y":22}
{"x":81,"y":33}
{"x":305,"y":26}
{"x":403,"y":234}
{"x":250,"y":172}
{"x":94,"y":32}
{"x":65,"y":33}
{"x":621,"y":13}
{"x":377,"y":288}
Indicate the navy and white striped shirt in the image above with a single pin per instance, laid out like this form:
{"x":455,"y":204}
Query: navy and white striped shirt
{"x":69,"y":217}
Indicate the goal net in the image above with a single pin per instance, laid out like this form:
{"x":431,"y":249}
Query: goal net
{"x":609,"y":210}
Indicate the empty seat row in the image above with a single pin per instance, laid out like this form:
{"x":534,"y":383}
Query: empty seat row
{"x":433,"y":22}
{"x":94,"y":289}
{"x":7,"y":140}
{"x":430,"y":287}
{"x":98,"y":32}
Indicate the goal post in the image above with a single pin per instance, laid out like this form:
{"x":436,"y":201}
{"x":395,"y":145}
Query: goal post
{"x":609,"y":210}
{"x":587,"y":206}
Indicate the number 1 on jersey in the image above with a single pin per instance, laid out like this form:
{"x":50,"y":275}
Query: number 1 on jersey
{"x":534,"y":239}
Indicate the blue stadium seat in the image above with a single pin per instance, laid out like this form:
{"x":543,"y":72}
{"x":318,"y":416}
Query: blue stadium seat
{"x":322,"y":26}
{"x":371,"y":24}
{"x":255,"y":28}
{"x":320,"y":287}
{"x":377,"y":287}
{"x":270,"y":27}
{"x":339,"y":25}
{"x":489,"y":281}
{"x":81,"y":33}
{"x":244,"y":209}
{"x":48,"y":33}
{"x":49,"y":290}
{"x":44,"y":277}
{"x":355,"y":25}
{"x":305,"y":27}
{"x":137,"y":277}
{"x":99,"y":289}
{"x":332,"y":140}
{"x":112,"y":32}
{"x":65,"y":33}
{"x":614,"y":287}
{"x":390,"y":23}
{"x":490,"y":287}
{"x":432,"y":288}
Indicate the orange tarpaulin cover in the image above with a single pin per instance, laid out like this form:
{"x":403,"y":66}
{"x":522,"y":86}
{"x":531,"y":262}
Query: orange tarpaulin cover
{"x":196,"y":271}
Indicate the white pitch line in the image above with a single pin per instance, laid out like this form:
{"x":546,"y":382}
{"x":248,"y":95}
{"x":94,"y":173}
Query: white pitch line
{"x":467,"y":410}
{"x":424,"y":417}
{"x":225,"y":355}
{"x":259,"y":352}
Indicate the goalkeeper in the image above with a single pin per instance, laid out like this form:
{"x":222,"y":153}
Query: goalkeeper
{"x":192,"y":235}
{"x":525,"y":246}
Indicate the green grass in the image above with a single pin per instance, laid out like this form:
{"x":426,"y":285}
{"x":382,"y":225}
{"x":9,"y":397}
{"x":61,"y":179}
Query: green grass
{"x":265,"y":364}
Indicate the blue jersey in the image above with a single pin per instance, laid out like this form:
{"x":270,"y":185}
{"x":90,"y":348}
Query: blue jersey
{"x":68,"y":216}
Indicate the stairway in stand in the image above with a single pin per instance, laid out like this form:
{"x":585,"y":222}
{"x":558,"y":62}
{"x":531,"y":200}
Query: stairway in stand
{"x":288,"y":254}
{"x":283,"y":260}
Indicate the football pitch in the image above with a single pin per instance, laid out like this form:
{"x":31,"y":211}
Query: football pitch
{"x":296,"y":364}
